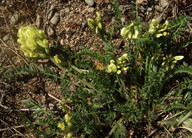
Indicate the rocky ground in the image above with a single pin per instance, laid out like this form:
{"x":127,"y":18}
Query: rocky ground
{"x":64,"y":21}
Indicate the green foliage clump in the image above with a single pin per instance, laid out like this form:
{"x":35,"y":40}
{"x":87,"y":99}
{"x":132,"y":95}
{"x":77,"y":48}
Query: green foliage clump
{"x":113,"y":95}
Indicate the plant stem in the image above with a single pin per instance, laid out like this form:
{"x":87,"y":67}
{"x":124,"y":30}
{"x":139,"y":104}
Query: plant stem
{"x":77,"y":69}
{"x":137,"y":14}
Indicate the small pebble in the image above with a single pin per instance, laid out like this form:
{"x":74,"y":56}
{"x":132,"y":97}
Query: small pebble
{"x":158,"y":8}
{"x":14,"y":19}
{"x":38,"y":21}
{"x":52,"y":7}
{"x":62,"y":42}
{"x":113,"y":20}
{"x":149,"y":9}
{"x":62,"y":12}
{"x":50,"y":31}
{"x":123,"y":20}
{"x":90,"y":2}
{"x":121,"y":7}
{"x":51,"y":106}
{"x":6,"y":37}
{"x":67,"y":29}
{"x":109,"y":7}
{"x":106,"y":1}
{"x":50,"y":15}
{"x":90,"y":9}
{"x":164,"y":3}
{"x":55,"y":19}
{"x":67,"y":10}
{"x":139,"y":1}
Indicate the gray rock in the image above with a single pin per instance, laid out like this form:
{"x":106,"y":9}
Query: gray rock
{"x":90,"y":2}
{"x":164,"y":3}
{"x":55,"y":19}
{"x":14,"y":19}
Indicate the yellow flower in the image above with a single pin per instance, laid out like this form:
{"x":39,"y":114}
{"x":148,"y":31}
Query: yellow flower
{"x":98,"y":17}
{"x":67,"y":118}
{"x":125,"y":68}
{"x":124,"y":57}
{"x":118,"y":71}
{"x":177,"y":58}
{"x":124,"y":32}
{"x":131,"y":31}
{"x":57,"y":60}
{"x":112,"y":67}
{"x":69,"y":135}
{"x":153,"y":26}
{"x":61,"y":126}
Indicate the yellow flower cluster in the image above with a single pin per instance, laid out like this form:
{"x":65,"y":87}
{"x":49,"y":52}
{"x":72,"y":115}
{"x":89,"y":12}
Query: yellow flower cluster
{"x":157,"y":29}
{"x":111,"y":67}
{"x":169,"y":61}
{"x":68,"y":120}
{"x":121,"y":65}
{"x":96,"y":24}
{"x":33,"y":42}
{"x":131,"y":31}
{"x":62,"y":125}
